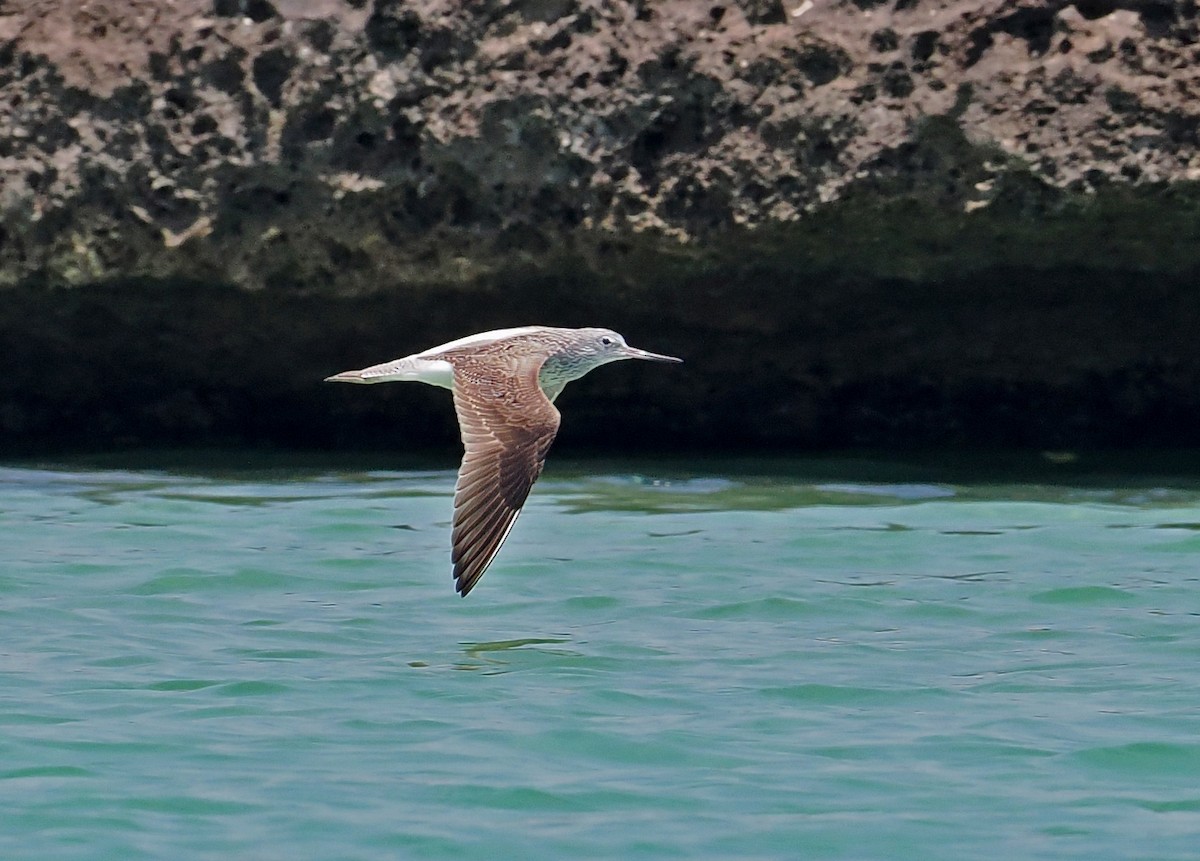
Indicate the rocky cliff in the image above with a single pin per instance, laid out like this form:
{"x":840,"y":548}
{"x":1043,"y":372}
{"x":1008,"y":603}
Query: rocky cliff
{"x":864,"y":222}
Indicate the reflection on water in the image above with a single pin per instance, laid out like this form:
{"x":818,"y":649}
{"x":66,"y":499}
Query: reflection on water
{"x":486,"y":657}
{"x":474,"y":650}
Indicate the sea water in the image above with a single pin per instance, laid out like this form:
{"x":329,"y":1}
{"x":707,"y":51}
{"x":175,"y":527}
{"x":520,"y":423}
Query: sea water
{"x":757,"y":660}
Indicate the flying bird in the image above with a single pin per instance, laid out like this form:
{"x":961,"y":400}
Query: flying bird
{"x":504,"y":384}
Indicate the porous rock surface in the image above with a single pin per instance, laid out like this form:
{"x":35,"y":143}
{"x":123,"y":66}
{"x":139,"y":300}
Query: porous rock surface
{"x":865,"y":222}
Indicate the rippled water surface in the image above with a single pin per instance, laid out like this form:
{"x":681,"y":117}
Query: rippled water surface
{"x":686,"y":661}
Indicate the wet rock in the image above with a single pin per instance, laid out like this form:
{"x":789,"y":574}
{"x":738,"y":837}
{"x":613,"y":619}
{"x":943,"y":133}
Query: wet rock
{"x":764,"y":175}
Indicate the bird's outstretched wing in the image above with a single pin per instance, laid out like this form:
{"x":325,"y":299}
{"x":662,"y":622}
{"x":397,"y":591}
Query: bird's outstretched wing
{"x":507,"y":425}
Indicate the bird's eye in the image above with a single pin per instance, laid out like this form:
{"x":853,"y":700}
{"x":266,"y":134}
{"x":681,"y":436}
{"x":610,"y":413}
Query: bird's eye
{"x":606,"y":341}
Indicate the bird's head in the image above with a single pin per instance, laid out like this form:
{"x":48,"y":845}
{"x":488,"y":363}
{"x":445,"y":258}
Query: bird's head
{"x":598,"y":347}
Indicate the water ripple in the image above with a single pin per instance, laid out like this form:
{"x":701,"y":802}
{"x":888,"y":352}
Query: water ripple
{"x":676,"y":663}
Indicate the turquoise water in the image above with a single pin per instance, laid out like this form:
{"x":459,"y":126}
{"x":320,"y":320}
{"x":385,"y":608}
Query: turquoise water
{"x":684,"y":661}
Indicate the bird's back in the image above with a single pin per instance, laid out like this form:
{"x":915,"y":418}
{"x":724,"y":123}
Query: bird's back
{"x":495,"y":358}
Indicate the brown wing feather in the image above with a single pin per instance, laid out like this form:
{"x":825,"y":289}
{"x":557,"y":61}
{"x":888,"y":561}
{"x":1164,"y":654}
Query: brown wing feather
{"x":507,"y":425}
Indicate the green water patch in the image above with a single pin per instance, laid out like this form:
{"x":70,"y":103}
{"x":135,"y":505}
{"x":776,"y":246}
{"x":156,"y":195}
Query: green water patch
{"x":1083,"y":596}
{"x":884,"y":527}
{"x":247,"y":500}
{"x":592,"y":602}
{"x":518,"y":798}
{"x":188,"y":805}
{"x":831,"y":695}
{"x":285,"y":654}
{"x":599,"y":748}
{"x":186,"y":580}
{"x":1184,"y":805}
{"x":333,"y":531}
{"x":775,"y":608}
{"x":967,"y":750}
{"x":88,"y":569}
{"x":118,"y":661}
{"x":181,"y":685}
{"x":242,"y":709}
{"x":1144,"y":759}
{"x":18,"y":719}
{"x":46,"y":771}
{"x":251,"y":689}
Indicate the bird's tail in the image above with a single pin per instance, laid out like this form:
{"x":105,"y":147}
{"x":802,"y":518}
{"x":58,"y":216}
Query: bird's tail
{"x":435,"y":372}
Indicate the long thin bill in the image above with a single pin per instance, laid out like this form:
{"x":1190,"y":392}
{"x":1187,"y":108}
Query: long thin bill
{"x":635,"y":353}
